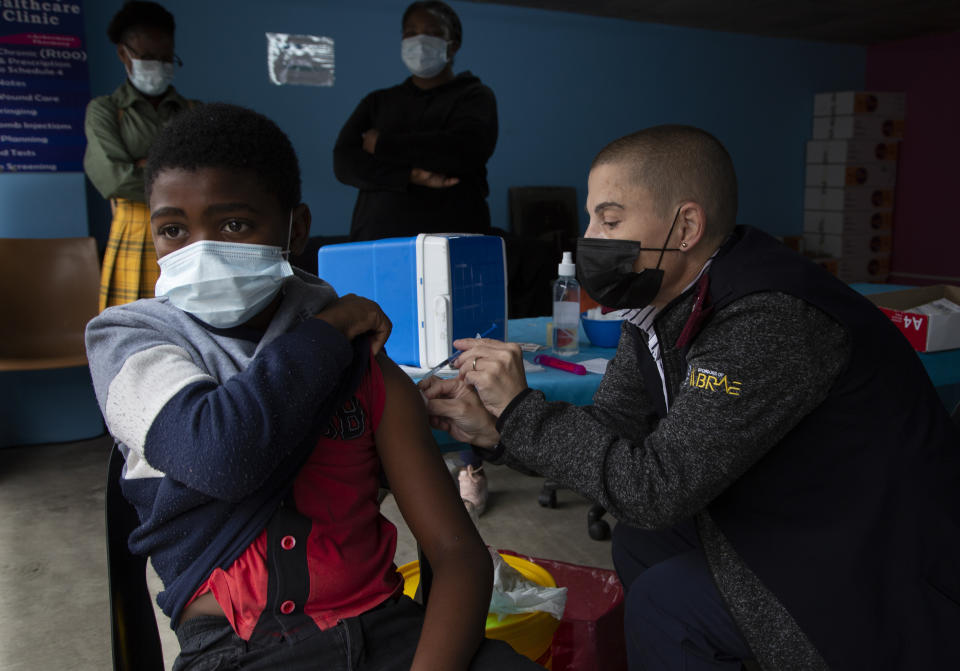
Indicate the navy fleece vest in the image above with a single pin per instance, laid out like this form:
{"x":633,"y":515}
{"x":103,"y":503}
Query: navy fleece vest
{"x":853,"y":519}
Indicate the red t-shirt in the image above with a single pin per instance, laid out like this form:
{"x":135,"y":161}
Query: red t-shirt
{"x":351,"y":546}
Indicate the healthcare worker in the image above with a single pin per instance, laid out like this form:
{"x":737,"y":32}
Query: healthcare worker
{"x":786,"y":479}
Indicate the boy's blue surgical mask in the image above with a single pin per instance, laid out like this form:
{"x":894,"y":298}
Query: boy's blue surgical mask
{"x":424,"y":55}
{"x":223,"y":284}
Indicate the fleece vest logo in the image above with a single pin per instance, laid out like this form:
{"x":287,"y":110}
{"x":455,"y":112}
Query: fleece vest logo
{"x":712,"y":381}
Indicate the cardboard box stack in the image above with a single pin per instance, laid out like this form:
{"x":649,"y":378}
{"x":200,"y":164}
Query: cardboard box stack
{"x":929,"y":317}
{"x":851,"y":171}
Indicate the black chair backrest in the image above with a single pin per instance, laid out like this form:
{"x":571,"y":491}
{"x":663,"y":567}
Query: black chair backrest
{"x":546,"y":213}
{"x":133,"y":625}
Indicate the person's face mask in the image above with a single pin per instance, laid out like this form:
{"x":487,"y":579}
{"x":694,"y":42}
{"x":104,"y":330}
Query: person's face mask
{"x":223,"y":284}
{"x":424,"y":55}
{"x":605,"y":270}
{"x":151,"y":78}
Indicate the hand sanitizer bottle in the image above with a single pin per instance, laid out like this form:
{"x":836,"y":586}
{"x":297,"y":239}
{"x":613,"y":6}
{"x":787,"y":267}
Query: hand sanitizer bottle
{"x":566,"y":308}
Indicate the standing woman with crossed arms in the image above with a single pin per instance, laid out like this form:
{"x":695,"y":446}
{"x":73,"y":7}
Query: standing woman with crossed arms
{"x":418,"y":151}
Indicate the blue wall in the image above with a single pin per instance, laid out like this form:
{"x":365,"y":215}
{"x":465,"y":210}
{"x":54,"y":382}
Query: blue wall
{"x":566,"y":84}
{"x":43,"y":205}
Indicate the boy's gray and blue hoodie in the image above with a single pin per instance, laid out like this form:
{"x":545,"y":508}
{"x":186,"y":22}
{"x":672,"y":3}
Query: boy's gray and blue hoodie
{"x":215,"y":423}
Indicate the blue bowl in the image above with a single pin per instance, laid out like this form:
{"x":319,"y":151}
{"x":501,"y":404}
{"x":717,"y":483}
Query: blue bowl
{"x":601,"y":332}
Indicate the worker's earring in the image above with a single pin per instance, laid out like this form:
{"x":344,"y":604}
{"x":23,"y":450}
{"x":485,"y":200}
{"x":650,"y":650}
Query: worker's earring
{"x":683,"y":245}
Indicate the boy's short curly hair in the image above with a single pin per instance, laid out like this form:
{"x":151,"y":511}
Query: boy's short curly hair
{"x":137,"y":14}
{"x":229,"y":137}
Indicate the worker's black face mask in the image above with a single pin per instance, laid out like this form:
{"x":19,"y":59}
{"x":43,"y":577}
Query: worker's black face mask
{"x":605,"y":270}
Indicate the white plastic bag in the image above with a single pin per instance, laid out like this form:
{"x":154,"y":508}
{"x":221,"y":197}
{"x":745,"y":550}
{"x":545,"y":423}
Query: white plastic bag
{"x":513,"y":593}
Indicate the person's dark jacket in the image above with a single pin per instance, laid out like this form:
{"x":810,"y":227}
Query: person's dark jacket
{"x":803,"y":435}
{"x":450,"y":129}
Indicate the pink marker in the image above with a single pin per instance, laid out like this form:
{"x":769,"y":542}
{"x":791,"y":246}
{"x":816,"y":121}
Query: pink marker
{"x":554,"y":362}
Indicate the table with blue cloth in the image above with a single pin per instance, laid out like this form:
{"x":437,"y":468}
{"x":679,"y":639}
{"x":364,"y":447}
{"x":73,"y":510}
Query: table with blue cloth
{"x":558,"y":385}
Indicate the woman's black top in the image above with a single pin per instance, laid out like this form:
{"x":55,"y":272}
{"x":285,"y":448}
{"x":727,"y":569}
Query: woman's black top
{"x":450,"y":129}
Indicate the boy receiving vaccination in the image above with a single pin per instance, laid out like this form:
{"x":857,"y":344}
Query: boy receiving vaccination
{"x":255,"y":411}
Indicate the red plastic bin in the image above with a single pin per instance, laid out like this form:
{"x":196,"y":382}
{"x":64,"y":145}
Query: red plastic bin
{"x":590,"y":635}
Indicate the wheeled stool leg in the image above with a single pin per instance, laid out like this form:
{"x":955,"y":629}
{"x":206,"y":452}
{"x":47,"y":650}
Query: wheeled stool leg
{"x":548,"y":494}
{"x":597,"y":527}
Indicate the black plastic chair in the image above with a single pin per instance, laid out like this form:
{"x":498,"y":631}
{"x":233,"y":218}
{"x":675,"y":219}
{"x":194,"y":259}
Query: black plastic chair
{"x":133,"y":625}
{"x":531,"y":270}
{"x":547,"y":213}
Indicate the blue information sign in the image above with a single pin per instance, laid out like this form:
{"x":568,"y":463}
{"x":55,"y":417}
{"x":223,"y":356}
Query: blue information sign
{"x":44,"y":88}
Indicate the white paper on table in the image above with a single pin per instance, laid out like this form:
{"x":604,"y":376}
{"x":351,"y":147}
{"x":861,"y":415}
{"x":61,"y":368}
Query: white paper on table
{"x":598,"y":366}
{"x":529,"y":367}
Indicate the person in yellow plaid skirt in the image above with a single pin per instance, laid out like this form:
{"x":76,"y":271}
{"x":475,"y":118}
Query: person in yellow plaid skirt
{"x":120,"y":128}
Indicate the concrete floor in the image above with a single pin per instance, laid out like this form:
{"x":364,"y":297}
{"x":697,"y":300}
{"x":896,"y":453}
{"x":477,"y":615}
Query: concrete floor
{"x":53,"y":579}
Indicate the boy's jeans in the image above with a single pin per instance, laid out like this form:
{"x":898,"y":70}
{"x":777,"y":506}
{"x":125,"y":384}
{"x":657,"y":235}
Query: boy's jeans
{"x":382,"y":639}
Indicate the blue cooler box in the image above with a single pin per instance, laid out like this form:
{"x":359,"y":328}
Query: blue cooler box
{"x":435,"y":288}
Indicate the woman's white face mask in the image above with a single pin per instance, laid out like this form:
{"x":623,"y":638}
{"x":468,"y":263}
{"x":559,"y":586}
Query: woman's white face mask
{"x":424,"y":55}
{"x":151,"y":78}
